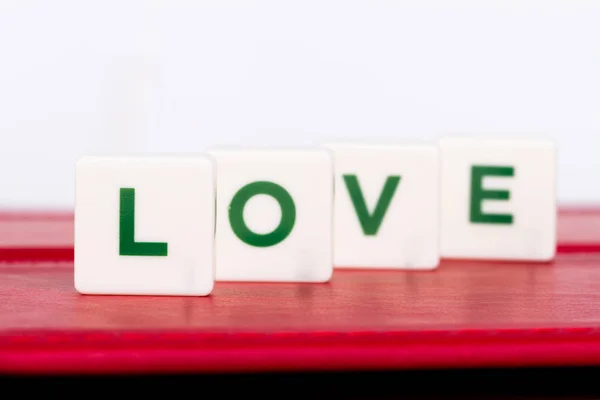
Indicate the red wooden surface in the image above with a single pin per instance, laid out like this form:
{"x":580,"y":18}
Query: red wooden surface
{"x":465,"y":314}
{"x":579,"y":230}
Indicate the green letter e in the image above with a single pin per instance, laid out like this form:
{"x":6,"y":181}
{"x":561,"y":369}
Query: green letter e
{"x":479,"y":194}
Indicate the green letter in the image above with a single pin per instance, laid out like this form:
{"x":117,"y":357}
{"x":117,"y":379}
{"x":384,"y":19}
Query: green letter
{"x":371,"y":222}
{"x":127,"y":244}
{"x":236,"y":214}
{"x":478,"y":194}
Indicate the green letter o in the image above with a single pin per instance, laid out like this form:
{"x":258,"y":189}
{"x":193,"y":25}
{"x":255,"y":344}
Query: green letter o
{"x":236,"y":214}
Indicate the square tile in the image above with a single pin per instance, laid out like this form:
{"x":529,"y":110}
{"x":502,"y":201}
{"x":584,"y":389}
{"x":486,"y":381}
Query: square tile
{"x":274,"y":214}
{"x":144,"y":225}
{"x":498,"y":199}
{"x":386,"y":204}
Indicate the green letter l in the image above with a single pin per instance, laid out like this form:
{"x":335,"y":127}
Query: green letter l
{"x":127,"y":244}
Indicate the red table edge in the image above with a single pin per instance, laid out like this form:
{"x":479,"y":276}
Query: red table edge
{"x":569,"y":248}
{"x":66,"y":254}
{"x":68,"y":214}
{"x":51,"y":352}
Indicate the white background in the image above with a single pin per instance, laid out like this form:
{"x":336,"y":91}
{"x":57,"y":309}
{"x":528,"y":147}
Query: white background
{"x":80,"y":77}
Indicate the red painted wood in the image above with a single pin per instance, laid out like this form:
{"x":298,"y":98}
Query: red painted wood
{"x":36,"y":236}
{"x":578,"y":230}
{"x":465,"y":314}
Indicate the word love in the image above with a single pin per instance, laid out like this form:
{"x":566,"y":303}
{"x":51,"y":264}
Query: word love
{"x":173,"y":225}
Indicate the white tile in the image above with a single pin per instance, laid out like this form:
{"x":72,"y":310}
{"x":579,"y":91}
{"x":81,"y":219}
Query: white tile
{"x":144,"y":225}
{"x":386,"y":209}
{"x":498,"y":199}
{"x":274,"y":214}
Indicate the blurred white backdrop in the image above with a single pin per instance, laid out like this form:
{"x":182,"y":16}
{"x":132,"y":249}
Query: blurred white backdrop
{"x":171,"y":75}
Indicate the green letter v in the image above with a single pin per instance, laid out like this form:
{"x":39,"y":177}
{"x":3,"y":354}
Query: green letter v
{"x":371,"y":222}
